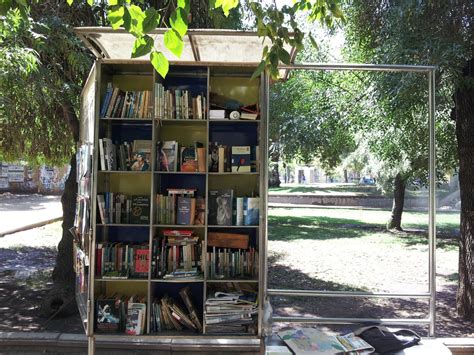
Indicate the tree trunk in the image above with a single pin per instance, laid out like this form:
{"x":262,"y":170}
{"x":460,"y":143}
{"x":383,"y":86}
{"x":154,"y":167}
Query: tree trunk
{"x":274,"y":174}
{"x":60,"y":297}
{"x":463,"y":113}
{"x":395,"y":221}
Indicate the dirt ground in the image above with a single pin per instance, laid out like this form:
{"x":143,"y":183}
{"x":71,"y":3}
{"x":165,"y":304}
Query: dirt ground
{"x":28,"y":260}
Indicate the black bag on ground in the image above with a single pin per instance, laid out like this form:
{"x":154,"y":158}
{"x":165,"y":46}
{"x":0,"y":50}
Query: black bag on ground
{"x":386,"y":341}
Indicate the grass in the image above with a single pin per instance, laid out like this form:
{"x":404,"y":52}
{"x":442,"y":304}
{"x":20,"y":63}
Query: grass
{"x":351,"y":190}
{"x":319,"y":223}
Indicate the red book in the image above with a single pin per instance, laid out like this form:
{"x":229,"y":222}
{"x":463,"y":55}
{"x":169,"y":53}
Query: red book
{"x":141,"y":260}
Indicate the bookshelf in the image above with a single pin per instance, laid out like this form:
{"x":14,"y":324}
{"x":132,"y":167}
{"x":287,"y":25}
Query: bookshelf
{"x":189,"y":221}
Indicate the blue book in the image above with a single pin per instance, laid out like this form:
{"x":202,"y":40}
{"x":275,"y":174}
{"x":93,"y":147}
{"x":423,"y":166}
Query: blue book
{"x":106,"y":102}
{"x":251,"y":211}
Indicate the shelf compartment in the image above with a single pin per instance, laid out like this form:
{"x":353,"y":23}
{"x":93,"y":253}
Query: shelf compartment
{"x":145,"y":121}
{"x":233,"y":173}
{"x":175,"y":226}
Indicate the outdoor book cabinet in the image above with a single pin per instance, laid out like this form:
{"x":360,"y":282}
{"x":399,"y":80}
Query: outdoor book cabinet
{"x":123,"y":248}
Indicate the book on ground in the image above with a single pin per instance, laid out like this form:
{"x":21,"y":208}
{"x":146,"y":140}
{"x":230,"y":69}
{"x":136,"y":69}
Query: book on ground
{"x":312,"y":341}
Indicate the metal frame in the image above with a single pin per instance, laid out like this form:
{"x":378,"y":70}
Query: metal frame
{"x":431,"y":294}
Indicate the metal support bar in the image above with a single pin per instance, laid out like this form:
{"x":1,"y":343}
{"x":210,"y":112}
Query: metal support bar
{"x":311,"y":293}
{"x":323,"y":320}
{"x":361,"y":67}
{"x":432,"y":202}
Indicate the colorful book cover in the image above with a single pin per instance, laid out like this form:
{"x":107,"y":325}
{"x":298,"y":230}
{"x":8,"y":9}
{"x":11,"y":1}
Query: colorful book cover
{"x":251,"y":211}
{"x":186,"y":210}
{"x":108,"y":315}
{"x":241,"y":159}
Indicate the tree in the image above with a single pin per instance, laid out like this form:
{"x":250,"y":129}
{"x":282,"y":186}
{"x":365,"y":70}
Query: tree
{"x":438,"y":33}
{"x":44,"y":67}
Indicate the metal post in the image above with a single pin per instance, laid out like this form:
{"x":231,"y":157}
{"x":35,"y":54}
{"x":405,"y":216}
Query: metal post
{"x":432,"y":202}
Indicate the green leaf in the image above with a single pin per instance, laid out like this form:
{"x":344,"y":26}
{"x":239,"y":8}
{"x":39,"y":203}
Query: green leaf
{"x":226,"y":5}
{"x":90,"y":2}
{"x":284,"y":56}
{"x":113,"y":2}
{"x":127,"y":19}
{"x":174,"y":42}
{"x":179,"y":21}
{"x":142,"y":46}
{"x":69,"y":2}
{"x":259,"y":70}
{"x":160,"y":63}
{"x":115,"y":16}
{"x":22,"y":3}
{"x":184,"y":4}
{"x":152,"y":17}
{"x":136,"y":24}
{"x":313,"y":42}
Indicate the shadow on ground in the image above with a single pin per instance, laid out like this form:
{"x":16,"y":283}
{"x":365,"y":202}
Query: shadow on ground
{"x":282,"y":277}
{"x":25,"y":280}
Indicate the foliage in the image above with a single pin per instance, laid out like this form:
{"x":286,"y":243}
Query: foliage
{"x":307,"y":116}
{"x":42,"y":65}
{"x":140,"y":19}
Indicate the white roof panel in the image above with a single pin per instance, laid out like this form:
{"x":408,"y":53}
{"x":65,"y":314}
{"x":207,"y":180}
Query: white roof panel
{"x":200,"y":46}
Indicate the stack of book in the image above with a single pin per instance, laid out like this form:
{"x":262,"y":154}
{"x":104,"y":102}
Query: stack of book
{"x":122,"y":260}
{"x":178,"y":104}
{"x":177,"y":255}
{"x":231,"y":313}
{"x":166,"y":314}
{"x":172,"y":158}
{"x":126,"y":104}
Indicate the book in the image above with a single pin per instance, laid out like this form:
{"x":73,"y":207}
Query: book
{"x":311,"y":341}
{"x":213,"y":157}
{"x":221,"y":159}
{"x":239,"y":211}
{"x":251,"y":211}
{"x":186,"y":210}
{"x":188,"y":162}
{"x":200,"y":217}
{"x":216,"y":114}
{"x":248,"y":116}
{"x":201,"y":159}
{"x":185,"y":294}
{"x":136,"y":316}
{"x":168,"y":156}
{"x":141,"y":261}
{"x":141,"y":155}
{"x":240,"y":159}
{"x":108,"y":315}
{"x":140,"y":209}
{"x":220,"y":207}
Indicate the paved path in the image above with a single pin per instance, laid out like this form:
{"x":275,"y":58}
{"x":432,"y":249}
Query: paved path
{"x":20,"y":212}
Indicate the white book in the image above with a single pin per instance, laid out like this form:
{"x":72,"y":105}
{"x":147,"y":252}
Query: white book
{"x":103,"y":167}
{"x":239,"y":208}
